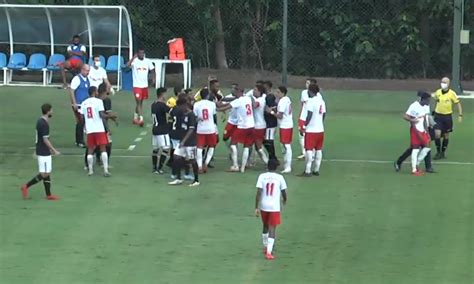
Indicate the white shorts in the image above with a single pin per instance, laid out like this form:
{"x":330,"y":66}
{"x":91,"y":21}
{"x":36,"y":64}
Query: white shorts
{"x":174,"y":143}
{"x":270,"y":134}
{"x":161,"y":141}
{"x":45,"y":164}
{"x":187,"y":152}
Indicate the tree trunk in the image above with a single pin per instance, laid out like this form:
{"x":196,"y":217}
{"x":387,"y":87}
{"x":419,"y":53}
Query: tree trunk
{"x":426,"y":38}
{"x":221,"y":58}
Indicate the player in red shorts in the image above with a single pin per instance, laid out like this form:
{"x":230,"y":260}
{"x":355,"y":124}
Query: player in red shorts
{"x":417,"y":115}
{"x":271,"y":188}
{"x":93,"y":111}
{"x":141,"y":67}
{"x":76,"y":52}
{"x":313,"y":130}
{"x":285,"y":122}
{"x":260,"y":124}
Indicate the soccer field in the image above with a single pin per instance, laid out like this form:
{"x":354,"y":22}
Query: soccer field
{"x":359,"y":222}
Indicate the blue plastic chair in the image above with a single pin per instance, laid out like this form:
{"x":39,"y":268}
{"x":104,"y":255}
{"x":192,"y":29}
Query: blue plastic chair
{"x":3,"y":60}
{"x":114,"y":63}
{"x":54,"y":61}
{"x":102,"y":61}
{"x":37,"y":62}
{"x":17,"y":61}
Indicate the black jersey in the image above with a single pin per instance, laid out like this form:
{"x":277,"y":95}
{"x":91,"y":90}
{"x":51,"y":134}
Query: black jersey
{"x":107,"y":108}
{"x":159,"y":111}
{"x":190,"y":122}
{"x":270,"y":119}
{"x":42,"y":130}
{"x":176,"y":118}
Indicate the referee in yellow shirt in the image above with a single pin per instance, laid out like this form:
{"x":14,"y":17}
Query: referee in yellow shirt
{"x":445,"y":99}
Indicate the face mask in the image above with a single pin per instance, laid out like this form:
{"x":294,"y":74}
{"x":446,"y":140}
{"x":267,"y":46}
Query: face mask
{"x":50,"y":115}
{"x":97,"y":63}
{"x":444,"y":86}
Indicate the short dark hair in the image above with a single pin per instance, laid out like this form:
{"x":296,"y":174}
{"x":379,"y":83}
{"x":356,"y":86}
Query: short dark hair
{"x":259,"y":82}
{"x":45,"y":108}
{"x":204,"y":93}
{"x":268,"y":83}
{"x":260,"y":89}
{"x":140,"y":49}
{"x":312,"y":80}
{"x":177,"y":90}
{"x":272,"y":164}
{"x":182,"y":100}
{"x":187,"y":91}
{"x":283,"y":89}
{"x":92,"y":90}
{"x":213,"y":81}
{"x":102,"y":88}
{"x":313,"y":88}
{"x":96,"y":56}
{"x":76,"y":36}
{"x":160,"y":91}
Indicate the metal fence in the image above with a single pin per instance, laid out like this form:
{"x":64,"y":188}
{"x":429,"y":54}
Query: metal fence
{"x":326,"y":38}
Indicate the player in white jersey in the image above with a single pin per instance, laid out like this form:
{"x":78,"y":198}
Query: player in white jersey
{"x":141,"y":67}
{"x":93,"y":111}
{"x":285,"y":123}
{"x":420,"y":140}
{"x":314,"y":130}
{"x":244,"y":134}
{"x":98,"y":75}
{"x":260,"y":124}
{"x":271,"y":189}
{"x":302,"y":118}
{"x":206,"y":115}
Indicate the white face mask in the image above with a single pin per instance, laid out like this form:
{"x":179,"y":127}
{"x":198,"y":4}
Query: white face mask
{"x":97,"y":63}
{"x":444,"y":86}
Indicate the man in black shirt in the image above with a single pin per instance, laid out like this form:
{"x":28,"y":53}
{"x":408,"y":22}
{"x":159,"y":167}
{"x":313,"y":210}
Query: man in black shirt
{"x":272,"y":123}
{"x":186,"y":150}
{"x":44,"y":150}
{"x":160,"y":139}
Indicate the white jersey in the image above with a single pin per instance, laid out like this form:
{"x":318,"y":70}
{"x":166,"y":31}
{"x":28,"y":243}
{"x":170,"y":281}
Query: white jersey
{"x":284,"y":107}
{"x":304,"y":96}
{"x":258,"y":112}
{"x":90,"y":109}
{"x":419,"y":112}
{"x":249,"y":93}
{"x":233,"y":117}
{"x":140,"y":70}
{"x":244,"y":109}
{"x":271,"y":185}
{"x":317,"y":106}
{"x":205,"y":111}
{"x":97,"y":76}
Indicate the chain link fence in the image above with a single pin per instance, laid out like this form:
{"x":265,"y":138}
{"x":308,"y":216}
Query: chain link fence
{"x":391,"y":39}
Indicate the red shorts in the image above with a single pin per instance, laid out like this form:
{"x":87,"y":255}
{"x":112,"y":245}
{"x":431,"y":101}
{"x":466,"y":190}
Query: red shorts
{"x":259,"y":134}
{"x":140,"y":93}
{"x":75,"y":63}
{"x":209,"y":140}
{"x":270,"y":218}
{"x":97,"y":139}
{"x":229,"y":130}
{"x":243,"y":136}
{"x":301,"y":124}
{"x":419,"y":139}
{"x":286,"y":135}
{"x":313,"y":141}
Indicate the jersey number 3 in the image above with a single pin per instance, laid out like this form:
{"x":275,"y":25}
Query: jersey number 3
{"x":89,"y":112}
{"x":269,"y":189}
{"x":249,"y":109}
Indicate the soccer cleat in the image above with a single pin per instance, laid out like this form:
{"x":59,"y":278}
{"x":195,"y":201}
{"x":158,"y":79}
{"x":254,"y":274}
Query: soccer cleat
{"x":176,"y":182}
{"x":107,"y":174}
{"x":201,"y":171}
{"x":90,"y":173}
{"x":188,"y":177}
{"x":194,"y":184}
{"x":158,"y":172}
{"x":210,"y":165}
{"x":233,"y":170}
{"x":301,"y":157}
{"x":172,"y":176}
{"x":24,"y":191}
{"x":418,"y":173}
{"x":304,"y":174}
{"x":286,"y":171}
{"x":396,"y":166}
{"x":81,"y":145}
{"x":205,"y":168}
{"x":438,"y":156}
{"x":316,"y":173}
{"x":52,"y":197}
{"x":264,"y":250}
{"x":269,"y":256}
{"x":430,"y":170}
{"x":242,"y":169}
{"x":141,"y":123}
{"x":135,"y":121}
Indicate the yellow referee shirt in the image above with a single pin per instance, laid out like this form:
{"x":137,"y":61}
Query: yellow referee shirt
{"x":444,"y":102}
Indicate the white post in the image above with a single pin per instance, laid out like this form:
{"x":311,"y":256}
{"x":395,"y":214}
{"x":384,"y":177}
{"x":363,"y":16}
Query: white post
{"x":10,"y":33}
{"x":129,"y":28}
{"x":89,"y":32}
{"x":119,"y":48}
{"x":51,"y":33}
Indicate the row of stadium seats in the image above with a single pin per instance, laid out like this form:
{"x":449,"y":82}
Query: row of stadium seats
{"x":38,"y":62}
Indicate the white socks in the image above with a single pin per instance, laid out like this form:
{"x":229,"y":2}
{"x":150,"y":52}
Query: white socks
{"x":90,"y":163}
{"x":263,"y":155}
{"x":245,"y":157}
{"x":288,"y":156}
{"x":210,"y":153}
{"x":301,"y":138}
{"x":135,"y":116}
{"x":423,"y":154}
{"x":105,"y":161}
{"x":233,"y":150}
{"x":414,"y":159}
{"x":309,"y":161}
{"x":318,"y":159}
{"x":265,"y":239}
{"x":271,"y":242}
{"x":199,"y":158}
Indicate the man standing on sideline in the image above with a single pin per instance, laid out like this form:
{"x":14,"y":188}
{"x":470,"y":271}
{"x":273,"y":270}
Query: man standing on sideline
{"x":76,"y":52}
{"x":260,"y":124}
{"x":141,"y":68}
{"x":303,"y":99}
{"x":44,"y":150}
{"x":443,"y":116}
{"x":285,"y":123}
{"x":98,"y":75}
{"x":79,"y":92}
{"x":160,"y":140}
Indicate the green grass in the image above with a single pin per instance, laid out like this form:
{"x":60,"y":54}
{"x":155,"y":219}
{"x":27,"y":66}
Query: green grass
{"x":358,"y":223}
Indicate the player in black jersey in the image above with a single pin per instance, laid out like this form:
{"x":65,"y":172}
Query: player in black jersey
{"x":160,"y":139}
{"x":44,"y":150}
{"x":186,"y":150}
{"x":272,"y":123}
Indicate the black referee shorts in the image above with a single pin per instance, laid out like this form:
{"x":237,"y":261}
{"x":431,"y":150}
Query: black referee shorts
{"x":444,"y":122}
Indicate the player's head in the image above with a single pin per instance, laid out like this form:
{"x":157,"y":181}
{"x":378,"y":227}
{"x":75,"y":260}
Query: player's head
{"x":424,"y":97}
{"x":97,"y":62}
{"x":313,"y":89}
{"x":238,"y":92}
{"x":258,"y":91}
{"x":182,"y":101}
{"x":310,"y":81}
{"x":177,"y":90}
{"x":268,"y":85}
{"x":233,"y":88}
{"x":102,"y":89}
{"x":445,"y":83}
{"x":205,"y":94}
{"x":85,"y":70}
{"x":160,"y":93}
{"x":47,"y":109}
{"x":281,"y":91}
{"x":187,"y":91}
{"x":76,"y":39}
{"x":259,"y":82}
{"x":272,"y":165}
{"x":93,"y":91}
{"x":214,"y":85}
{"x":140,"y":53}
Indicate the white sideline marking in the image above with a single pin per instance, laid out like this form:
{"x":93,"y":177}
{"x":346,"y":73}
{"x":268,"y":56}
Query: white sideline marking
{"x":130,"y":148}
{"x":143,"y":133}
{"x":138,"y":139}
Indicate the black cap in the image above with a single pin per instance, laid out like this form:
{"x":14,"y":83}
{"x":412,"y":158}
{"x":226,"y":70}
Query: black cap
{"x":423,"y":94}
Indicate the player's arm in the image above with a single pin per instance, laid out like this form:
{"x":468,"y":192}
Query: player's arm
{"x":457,"y":102}
{"x":284,"y":196}
{"x":50,"y":145}
{"x":279,"y":112}
{"x":257,"y":200}
{"x":129,"y":63}
{"x":223,"y":107}
{"x":188,"y":134}
{"x":152,"y":73}
{"x":108,"y":115}
{"x":410,"y":118}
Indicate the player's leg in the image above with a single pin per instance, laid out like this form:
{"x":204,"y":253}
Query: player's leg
{"x":235,"y":139}
{"x":105,"y":158}
{"x":37,"y":178}
{"x":155,"y":153}
{"x":414,"y":159}
{"x":265,"y":237}
{"x":191,"y":156}
{"x":91,"y":142}
{"x":178,"y":164}
{"x":287,"y":154}
{"x":201,"y":143}
{"x":309,"y":154}
{"x":270,"y":241}
{"x":269,"y":143}
{"x":63,"y":67}
{"x":79,"y":129}
{"x":245,"y":157}
{"x":319,"y":141}
{"x":439,"y":129}
{"x":398,"y":163}
{"x":261,"y":151}
{"x":301,"y":140}
{"x":444,"y":145}
{"x":136,"y":116}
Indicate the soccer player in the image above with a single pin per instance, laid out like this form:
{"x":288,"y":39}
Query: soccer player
{"x":141,"y":68}
{"x":205,"y":112}
{"x":445,"y":98}
{"x":233,"y":118}
{"x":271,"y":122}
{"x":98,"y":75}
{"x":313,"y":130}
{"x":76,"y":52}
{"x":186,"y":149}
{"x":160,"y":139}
{"x":271,"y":189}
{"x":79,"y":92}
{"x":260,"y":124}
{"x":44,"y":150}
{"x":285,"y":123}
{"x":419,"y":137}
{"x":94,"y":112}
{"x":302,"y":118}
